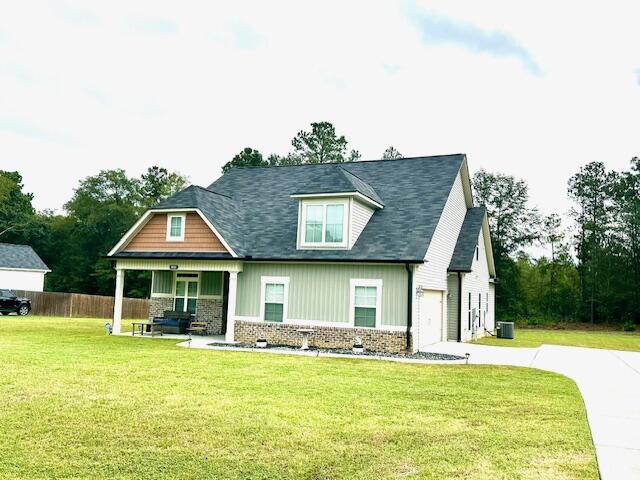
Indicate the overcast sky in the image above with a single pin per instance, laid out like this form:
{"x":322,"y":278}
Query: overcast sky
{"x":533,"y":89}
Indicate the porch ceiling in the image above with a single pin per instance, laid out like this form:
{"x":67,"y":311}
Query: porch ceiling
{"x":179,"y":264}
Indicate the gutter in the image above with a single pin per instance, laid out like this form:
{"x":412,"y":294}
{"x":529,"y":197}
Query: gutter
{"x":409,"y":303}
{"x":263,"y":260}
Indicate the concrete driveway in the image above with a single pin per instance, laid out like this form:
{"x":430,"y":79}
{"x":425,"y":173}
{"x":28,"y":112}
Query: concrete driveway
{"x":609,"y":381}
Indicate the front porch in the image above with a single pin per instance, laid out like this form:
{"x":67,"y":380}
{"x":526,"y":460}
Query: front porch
{"x":205,"y":289}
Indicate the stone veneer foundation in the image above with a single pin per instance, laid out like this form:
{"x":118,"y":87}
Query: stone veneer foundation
{"x":322,"y":337}
{"x":209,"y":310}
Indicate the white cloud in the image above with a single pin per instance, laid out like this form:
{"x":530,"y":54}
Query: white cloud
{"x":92,"y":85}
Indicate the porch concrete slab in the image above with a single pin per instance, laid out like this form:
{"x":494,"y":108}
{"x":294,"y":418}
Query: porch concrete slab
{"x":609,"y":381}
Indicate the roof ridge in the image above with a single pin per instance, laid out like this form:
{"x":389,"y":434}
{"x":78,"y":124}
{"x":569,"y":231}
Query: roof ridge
{"x":211,"y":191}
{"x":351,"y":173}
{"x":419,"y":157}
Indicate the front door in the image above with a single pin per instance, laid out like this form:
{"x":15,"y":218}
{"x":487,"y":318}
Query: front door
{"x":430,"y":328}
{"x":186,"y":299}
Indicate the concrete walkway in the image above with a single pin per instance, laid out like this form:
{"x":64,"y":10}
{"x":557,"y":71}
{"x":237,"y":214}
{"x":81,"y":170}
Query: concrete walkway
{"x":609,"y":381}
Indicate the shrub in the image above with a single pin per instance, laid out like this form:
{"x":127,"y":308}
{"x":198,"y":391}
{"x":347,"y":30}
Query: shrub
{"x":629,"y":326}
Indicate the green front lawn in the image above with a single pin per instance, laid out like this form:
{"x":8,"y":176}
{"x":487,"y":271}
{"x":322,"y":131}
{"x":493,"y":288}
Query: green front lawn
{"x":577,"y":338}
{"x":76,"y":403}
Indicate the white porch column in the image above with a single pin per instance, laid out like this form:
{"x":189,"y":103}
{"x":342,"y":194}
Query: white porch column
{"x":117,"y":306}
{"x":231,"y":306}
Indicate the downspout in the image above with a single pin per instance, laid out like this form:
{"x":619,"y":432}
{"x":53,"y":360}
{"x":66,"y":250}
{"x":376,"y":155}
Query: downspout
{"x":409,"y":303}
{"x":459,"y":307}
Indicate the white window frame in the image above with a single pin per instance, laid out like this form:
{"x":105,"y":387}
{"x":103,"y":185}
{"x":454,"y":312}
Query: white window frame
{"x":324,"y":203}
{"x":183,"y":216}
{"x":177,"y":279}
{"x":263,"y":289}
{"x":163,"y":295}
{"x":365,"y":282}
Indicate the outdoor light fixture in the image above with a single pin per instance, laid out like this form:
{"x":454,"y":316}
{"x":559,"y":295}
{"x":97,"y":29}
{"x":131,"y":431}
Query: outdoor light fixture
{"x":466,"y":356}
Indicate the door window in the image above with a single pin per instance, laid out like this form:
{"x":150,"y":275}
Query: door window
{"x":186,"y":299}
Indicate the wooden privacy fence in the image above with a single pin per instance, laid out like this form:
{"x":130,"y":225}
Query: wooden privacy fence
{"x":56,"y":304}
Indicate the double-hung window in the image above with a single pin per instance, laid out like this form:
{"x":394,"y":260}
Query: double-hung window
{"x":186,"y":298}
{"x":324,"y":224}
{"x":335,"y":224}
{"x":366,"y":302}
{"x":313,"y":223}
{"x":274,"y":299}
{"x":175,"y":227}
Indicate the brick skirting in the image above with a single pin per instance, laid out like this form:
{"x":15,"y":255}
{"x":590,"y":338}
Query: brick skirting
{"x":322,"y":337}
{"x":158,"y":305}
{"x":209,"y":310}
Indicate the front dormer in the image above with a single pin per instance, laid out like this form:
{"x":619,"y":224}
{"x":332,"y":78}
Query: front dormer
{"x":334,"y":209}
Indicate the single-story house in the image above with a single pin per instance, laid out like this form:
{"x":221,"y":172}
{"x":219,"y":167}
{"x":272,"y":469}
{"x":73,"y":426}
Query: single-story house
{"x":21,"y":268}
{"x":391,"y":251}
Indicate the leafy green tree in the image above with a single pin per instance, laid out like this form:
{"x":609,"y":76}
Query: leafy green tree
{"x":513,"y":224}
{"x":248,"y":157}
{"x":590,"y":188}
{"x":391,"y":153}
{"x":322,"y":145}
{"x":283,"y":160}
{"x":158,"y":183}
{"x":16,"y":210}
{"x":625,"y":212}
{"x":102,"y":209}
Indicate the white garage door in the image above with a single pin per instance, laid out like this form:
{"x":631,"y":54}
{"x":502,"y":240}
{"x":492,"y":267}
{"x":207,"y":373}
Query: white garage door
{"x":430,"y":328}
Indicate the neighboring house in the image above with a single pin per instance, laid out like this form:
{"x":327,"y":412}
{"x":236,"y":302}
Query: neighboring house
{"x":21,"y":268}
{"x":391,"y":251}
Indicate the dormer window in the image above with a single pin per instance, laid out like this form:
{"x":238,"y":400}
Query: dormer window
{"x":335,"y":207}
{"x":175,"y":227}
{"x":325,"y":223}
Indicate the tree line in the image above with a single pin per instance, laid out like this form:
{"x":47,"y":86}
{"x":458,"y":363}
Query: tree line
{"x":73,"y":243}
{"x":321,"y":144}
{"x":590,"y":273}
{"x":592,"y":270}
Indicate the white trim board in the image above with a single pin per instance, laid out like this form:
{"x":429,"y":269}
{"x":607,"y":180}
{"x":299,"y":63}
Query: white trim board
{"x":10,"y":269}
{"x":357,"y":195}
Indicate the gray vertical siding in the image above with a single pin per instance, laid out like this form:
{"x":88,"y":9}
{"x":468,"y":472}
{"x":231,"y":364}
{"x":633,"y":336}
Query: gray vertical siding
{"x":320,"y":292}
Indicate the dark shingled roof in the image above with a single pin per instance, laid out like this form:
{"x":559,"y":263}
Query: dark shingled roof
{"x":20,"y":256}
{"x":462,"y":258}
{"x":253,"y":210}
{"x":221,"y":210}
{"x":337,"y":180}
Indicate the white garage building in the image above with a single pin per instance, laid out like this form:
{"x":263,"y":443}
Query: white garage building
{"x":21,"y":268}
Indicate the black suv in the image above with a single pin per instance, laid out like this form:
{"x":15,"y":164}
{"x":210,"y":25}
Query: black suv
{"x":10,"y":303}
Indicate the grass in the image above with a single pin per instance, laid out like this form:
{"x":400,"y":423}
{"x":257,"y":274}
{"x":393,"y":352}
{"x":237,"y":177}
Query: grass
{"x":535,"y":337}
{"x":77,"y":403}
